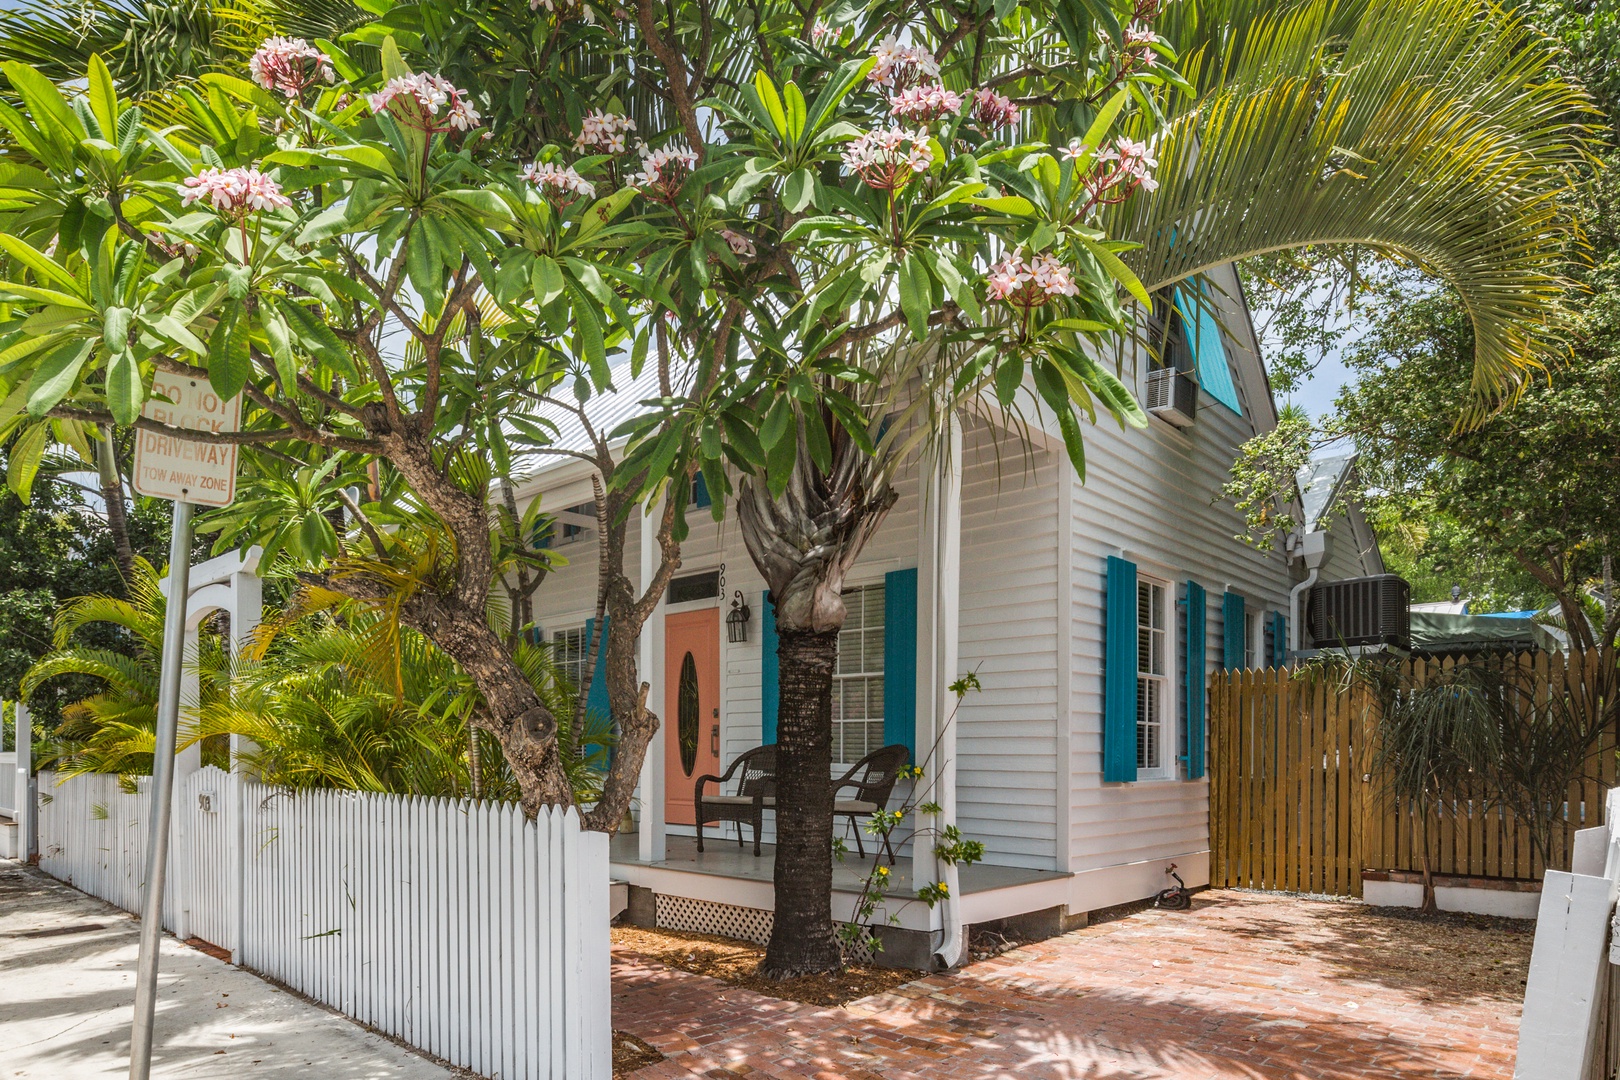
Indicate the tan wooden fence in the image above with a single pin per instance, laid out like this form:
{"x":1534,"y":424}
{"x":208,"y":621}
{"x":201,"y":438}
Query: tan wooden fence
{"x":1294,"y":804}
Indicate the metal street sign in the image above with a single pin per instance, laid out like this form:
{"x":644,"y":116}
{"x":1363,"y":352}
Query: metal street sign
{"x":187,"y":470}
{"x":190,"y":472}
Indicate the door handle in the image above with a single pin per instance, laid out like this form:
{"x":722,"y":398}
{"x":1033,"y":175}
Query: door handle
{"x":714,"y":740}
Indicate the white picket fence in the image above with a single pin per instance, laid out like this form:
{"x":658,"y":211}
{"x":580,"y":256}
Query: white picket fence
{"x":463,"y":928}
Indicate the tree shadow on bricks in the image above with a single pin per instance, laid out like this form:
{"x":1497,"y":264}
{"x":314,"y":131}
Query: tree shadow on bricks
{"x":1112,"y":1034}
{"x":1444,"y":959}
{"x":980,"y":1032}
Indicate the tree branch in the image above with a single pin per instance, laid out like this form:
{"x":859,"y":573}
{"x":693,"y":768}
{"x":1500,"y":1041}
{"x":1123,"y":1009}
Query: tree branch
{"x":675,"y":70}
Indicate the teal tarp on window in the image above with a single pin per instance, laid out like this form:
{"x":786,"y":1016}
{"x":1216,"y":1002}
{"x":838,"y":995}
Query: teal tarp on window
{"x":1209,"y":351}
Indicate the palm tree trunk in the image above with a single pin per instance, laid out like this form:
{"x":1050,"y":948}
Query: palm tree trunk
{"x":1429,"y":905}
{"x":803,"y":941}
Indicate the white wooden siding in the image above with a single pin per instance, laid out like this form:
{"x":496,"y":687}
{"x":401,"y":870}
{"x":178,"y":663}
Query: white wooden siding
{"x":1153,"y":497}
{"x":1007,"y":774}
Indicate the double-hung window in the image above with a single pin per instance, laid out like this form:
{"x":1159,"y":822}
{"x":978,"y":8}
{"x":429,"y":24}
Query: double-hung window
{"x":1155,"y":754}
{"x":1251,"y":640}
{"x":857,"y":706}
{"x":568,"y":653}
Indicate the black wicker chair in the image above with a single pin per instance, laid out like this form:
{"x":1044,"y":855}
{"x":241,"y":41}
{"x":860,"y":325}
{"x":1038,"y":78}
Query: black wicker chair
{"x":755,"y":793}
{"x":871,"y":781}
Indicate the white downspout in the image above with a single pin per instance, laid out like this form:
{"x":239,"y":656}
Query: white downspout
{"x":1313,"y":548}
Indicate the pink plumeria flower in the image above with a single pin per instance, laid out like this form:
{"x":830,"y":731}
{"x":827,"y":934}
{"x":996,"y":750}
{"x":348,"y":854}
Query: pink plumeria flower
{"x":739,"y":244}
{"x":1136,"y":162}
{"x":899,"y":66}
{"x":603,"y":131}
{"x":1075,"y":150}
{"x":1139,"y":42}
{"x":415,"y":101}
{"x":560,"y":181}
{"x":887,"y":158}
{"x":994,"y":110}
{"x":1028,"y":284}
{"x":289,"y":66}
{"x":565,"y":9}
{"x":234,"y":192}
{"x":924,"y":104}
{"x":822,"y":31}
{"x":664,"y":171}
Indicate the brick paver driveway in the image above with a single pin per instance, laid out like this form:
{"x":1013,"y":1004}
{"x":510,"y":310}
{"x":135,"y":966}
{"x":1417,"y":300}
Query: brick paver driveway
{"x":1246,"y":986}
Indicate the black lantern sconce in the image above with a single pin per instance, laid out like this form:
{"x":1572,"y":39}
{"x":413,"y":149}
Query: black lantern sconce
{"x":737,"y":621}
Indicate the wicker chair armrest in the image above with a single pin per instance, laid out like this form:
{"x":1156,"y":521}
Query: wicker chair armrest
{"x":697,"y":789}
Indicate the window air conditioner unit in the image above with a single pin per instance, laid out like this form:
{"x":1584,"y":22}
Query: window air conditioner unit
{"x":1361,"y":611}
{"x":1173,"y":396}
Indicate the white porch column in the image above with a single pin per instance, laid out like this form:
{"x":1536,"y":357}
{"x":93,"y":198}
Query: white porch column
{"x":939,"y":581}
{"x":650,"y":666}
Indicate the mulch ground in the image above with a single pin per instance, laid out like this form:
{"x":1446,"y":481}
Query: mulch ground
{"x":631,"y":1054}
{"x":1245,"y":986}
{"x":736,"y":963}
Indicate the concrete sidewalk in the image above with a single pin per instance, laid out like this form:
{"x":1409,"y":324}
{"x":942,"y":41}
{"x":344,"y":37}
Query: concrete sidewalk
{"x":67,"y":991}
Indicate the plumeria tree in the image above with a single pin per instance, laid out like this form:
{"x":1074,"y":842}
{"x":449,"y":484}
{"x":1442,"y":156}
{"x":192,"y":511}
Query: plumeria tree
{"x":377,"y":290}
{"x":850,"y":250}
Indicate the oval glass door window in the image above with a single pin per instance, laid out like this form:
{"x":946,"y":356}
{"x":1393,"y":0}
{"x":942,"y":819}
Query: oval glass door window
{"x":687,"y":714}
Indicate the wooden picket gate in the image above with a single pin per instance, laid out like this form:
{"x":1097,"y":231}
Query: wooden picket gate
{"x":1294,"y":806}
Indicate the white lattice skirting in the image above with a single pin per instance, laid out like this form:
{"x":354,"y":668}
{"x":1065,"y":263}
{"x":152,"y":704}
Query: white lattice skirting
{"x":728,"y":920}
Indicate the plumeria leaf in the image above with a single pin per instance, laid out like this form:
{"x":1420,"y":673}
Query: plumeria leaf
{"x":56,"y":375}
{"x":125,"y":390}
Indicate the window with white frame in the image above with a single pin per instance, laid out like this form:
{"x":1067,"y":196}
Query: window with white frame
{"x":568,"y":653}
{"x":1251,"y":640}
{"x":1155,"y":757}
{"x":857,"y":706}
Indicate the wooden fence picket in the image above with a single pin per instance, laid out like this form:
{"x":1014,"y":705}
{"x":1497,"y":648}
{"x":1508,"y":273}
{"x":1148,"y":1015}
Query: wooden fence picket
{"x":1294,"y":803}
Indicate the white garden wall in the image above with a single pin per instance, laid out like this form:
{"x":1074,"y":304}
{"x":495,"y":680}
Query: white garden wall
{"x":460,"y":927}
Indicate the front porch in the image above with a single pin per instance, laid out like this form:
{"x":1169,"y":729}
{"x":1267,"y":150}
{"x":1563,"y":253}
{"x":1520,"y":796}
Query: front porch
{"x":727,"y":890}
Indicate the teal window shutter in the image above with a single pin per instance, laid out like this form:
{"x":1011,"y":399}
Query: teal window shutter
{"x":596,"y":701}
{"x":769,"y":688}
{"x":1232,"y":632}
{"x":1279,"y":639}
{"x":700,"y":491}
{"x":1194,"y":667}
{"x":900,"y":659}
{"x":1209,"y":351}
{"x":1119,"y":672}
{"x":598,"y":712}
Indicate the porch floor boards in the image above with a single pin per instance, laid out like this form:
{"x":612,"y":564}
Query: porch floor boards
{"x":723,"y":858}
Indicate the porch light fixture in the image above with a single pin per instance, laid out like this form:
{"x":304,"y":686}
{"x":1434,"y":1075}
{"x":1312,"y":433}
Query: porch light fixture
{"x":737,"y":621}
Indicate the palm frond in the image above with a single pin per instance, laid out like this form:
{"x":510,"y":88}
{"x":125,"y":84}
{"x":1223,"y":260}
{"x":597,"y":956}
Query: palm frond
{"x":1434,"y":131}
{"x":125,"y":675}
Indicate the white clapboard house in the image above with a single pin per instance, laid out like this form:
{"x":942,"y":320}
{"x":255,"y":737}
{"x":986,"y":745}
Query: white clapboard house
{"x":1091,"y":612}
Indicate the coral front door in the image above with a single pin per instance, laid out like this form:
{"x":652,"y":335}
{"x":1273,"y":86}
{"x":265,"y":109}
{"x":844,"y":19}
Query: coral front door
{"x":691,"y":708}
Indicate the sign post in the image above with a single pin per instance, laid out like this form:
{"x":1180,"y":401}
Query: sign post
{"x":191,"y":473}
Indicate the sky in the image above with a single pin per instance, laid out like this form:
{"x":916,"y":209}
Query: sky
{"x":1317,"y":394}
